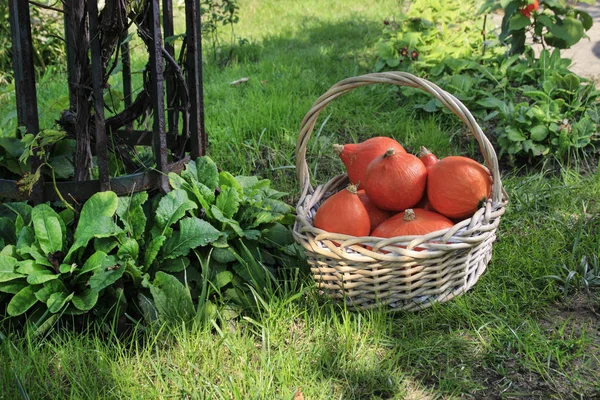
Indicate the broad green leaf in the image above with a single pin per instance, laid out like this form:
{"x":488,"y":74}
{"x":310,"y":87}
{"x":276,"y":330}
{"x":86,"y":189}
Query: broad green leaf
{"x":152,"y":250}
{"x":22,"y":301}
{"x":93,"y":263}
{"x":50,"y":288}
{"x":222,"y":279}
{"x":176,"y":181}
{"x":108,"y":274}
{"x":67,"y":216}
{"x":226,"y":179}
{"x":132,"y":214}
{"x":7,"y":230}
{"x":26,"y":237}
{"x":47,"y":228}
{"x":173,"y":207}
{"x":539,"y":133}
{"x":12,"y":287}
{"x":41,"y":277}
{"x":207,"y":172}
{"x":228,"y":201}
{"x":492,"y":102}
{"x":224,"y":255}
{"x":565,"y":34}
{"x":175,"y":265}
{"x":204,"y":195}
{"x":57,"y":300}
{"x":29,"y":267}
{"x":129,"y":249}
{"x":514,"y":134}
{"x":518,"y":21}
{"x":7,"y":263}
{"x":278,"y":235}
{"x":251,"y":234}
{"x":172,"y":300}
{"x":13,"y":210}
{"x":232,"y":223}
{"x":107,"y":244}
{"x":63,"y":167}
{"x":67,"y":268}
{"x":34,"y":252}
{"x":10,"y":251}
{"x":193,"y":232}
{"x":86,"y":300}
{"x":96,"y":220}
{"x":10,"y":276}
{"x":264,"y":217}
{"x":586,"y":19}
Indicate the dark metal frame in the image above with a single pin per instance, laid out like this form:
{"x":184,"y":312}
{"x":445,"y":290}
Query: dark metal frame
{"x":161,"y":84}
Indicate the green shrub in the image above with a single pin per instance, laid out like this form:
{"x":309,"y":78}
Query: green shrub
{"x":212,"y":238}
{"x":531,"y":105}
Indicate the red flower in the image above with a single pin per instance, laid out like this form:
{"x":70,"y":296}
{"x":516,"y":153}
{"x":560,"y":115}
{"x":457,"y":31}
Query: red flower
{"x":526,"y":11}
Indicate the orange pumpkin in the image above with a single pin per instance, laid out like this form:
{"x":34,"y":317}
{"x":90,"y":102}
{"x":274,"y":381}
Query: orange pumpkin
{"x":357,"y":156}
{"x":412,"y":222}
{"x":395,"y":181}
{"x":457,"y":186}
{"x":427,"y":157}
{"x":343,"y":213}
{"x":376,"y":214}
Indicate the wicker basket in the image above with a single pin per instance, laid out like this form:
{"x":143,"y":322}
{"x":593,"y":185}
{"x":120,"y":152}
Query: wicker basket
{"x":353,"y":269}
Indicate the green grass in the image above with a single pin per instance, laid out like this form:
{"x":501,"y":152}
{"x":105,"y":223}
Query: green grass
{"x":512,"y":335}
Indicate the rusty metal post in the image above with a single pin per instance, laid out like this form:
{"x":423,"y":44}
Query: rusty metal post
{"x":159,"y":141}
{"x":198,"y":137}
{"x":126,"y":72}
{"x":26,"y":94}
{"x":169,"y":31}
{"x":98,"y":86}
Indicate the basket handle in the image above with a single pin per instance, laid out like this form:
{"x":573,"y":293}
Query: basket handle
{"x":400,"y":79}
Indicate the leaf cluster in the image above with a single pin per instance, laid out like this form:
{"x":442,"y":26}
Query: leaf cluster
{"x":210,"y":239}
{"x":532,"y":103}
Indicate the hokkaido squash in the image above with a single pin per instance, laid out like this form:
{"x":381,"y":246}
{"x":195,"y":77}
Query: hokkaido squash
{"x":357,"y":156}
{"x":427,"y":157}
{"x":376,"y":214}
{"x":343,"y":213}
{"x":457,"y":186}
{"x":412,"y":222}
{"x":395,"y":181}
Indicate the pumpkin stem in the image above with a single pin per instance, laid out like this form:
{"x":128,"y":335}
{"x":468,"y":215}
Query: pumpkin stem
{"x":423,"y":151}
{"x":352,"y":188}
{"x":338,"y":148}
{"x":409,"y":215}
{"x":389,"y":152}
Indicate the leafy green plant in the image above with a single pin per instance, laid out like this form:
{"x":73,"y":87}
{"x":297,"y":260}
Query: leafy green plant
{"x":585,"y":277}
{"x":210,"y":239}
{"x":533,"y":104}
{"x":553,"y":23}
{"x":428,"y":33}
{"x":237,"y":223}
{"x":46,"y":266}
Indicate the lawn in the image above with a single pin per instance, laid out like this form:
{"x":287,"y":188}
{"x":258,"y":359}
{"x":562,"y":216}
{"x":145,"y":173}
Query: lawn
{"x":527,"y":329}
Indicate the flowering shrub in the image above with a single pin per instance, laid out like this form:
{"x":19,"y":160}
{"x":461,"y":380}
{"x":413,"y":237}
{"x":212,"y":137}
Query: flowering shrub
{"x":553,"y":23}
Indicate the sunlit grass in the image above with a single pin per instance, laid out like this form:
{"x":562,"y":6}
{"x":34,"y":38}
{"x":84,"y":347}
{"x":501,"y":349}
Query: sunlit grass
{"x":476,"y":346}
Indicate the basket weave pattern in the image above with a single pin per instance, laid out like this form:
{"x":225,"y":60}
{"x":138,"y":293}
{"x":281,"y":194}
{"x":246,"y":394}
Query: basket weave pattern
{"x":402,"y":273}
